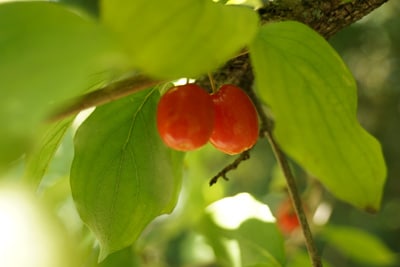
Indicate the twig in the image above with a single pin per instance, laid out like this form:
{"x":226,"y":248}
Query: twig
{"x":242,"y":157}
{"x":266,"y":131}
{"x":213,"y":88}
{"x":103,"y":95}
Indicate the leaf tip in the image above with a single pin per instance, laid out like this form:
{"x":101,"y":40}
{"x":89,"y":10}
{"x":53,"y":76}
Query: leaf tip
{"x":104,"y":252}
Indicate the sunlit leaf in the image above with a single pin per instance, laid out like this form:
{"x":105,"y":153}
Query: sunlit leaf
{"x":123,"y":176}
{"x":359,"y":245}
{"x":173,"y":39}
{"x":47,"y":54}
{"x":312,"y":95}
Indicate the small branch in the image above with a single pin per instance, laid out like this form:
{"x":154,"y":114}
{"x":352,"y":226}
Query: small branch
{"x":295,"y":197}
{"x":243,"y":156}
{"x":266,"y":131}
{"x":103,"y":95}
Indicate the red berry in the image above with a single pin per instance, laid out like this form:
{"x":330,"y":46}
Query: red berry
{"x":236,"y":121}
{"x":185,"y":117}
{"x":286,"y":217}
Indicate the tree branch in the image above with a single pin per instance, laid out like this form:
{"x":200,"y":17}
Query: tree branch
{"x":103,"y":95}
{"x":326,"y":17}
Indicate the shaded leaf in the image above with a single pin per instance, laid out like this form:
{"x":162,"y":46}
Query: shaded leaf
{"x":312,"y":95}
{"x":123,"y":176}
{"x":261,"y":244}
{"x":359,"y":245}
{"x":125,"y":258}
{"x":172,"y":39}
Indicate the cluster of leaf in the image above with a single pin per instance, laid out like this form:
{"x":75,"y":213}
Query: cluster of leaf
{"x":122,"y":176}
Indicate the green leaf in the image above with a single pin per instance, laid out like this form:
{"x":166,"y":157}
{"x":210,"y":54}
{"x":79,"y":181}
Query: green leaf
{"x":261,"y":244}
{"x":172,"y":39}
{"x":123,"y":176}
{"x":312,"y":95}
{"x":39,"y":158}
{"x":48,"y":54}
{"x":125,"y":258}
{"x":358,"y":245}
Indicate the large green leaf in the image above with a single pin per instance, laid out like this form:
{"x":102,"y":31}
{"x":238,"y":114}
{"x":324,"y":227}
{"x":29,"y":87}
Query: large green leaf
{"x":359,"y":246}
{"x":47,"y":54}
{"x":122,"y":175}
{"x":312,"y":96}
{"x":261,"y":244}
{"x":171,"y":39}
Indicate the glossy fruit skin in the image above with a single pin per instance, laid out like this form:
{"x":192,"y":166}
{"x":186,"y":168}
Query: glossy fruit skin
{"x":236,"y":120}
{"x":185,"y":117}
{"x":286,"y":217}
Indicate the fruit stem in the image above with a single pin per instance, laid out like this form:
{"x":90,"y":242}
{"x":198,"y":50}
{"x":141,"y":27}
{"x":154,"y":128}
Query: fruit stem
{"x":266,"y":131}
{"x":213,"y":88}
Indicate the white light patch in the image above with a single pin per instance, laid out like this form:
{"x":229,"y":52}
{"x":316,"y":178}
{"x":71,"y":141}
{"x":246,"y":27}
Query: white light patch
{"x":322,"y":214}
{"x":236,"y":2}
{"x":234,"y":252}
{"x":81,"y":117}
{"x":26,"y":238}
{"x":183,"y":81}
{"x":230,"y":212}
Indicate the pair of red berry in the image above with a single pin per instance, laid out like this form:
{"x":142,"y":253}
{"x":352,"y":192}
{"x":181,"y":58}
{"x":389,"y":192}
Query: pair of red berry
{"x":188,"y":117}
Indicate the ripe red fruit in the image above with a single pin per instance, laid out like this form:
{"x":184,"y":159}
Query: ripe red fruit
{"x":236,"y":121}
{"x":286,"y":217}
{"x":185,"y":117}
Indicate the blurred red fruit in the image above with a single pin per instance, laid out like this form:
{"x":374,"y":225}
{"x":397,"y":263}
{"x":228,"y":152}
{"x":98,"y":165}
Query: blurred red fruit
{"x":286,"y":217}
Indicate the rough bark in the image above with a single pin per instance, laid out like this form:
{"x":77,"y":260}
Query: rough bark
{"x":324,"y":16}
